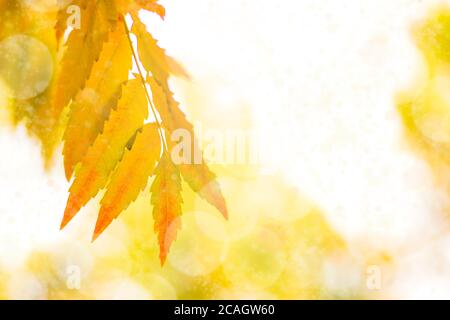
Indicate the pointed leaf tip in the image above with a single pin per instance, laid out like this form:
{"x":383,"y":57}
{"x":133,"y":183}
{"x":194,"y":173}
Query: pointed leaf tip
{"x":101,"y":224}
{"x":71,"y":210}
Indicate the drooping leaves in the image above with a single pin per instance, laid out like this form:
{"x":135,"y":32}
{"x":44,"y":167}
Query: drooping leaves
{"x":100,"y":114}
{"x":108,"y":148}
{"x":160,"y":66}
{"x":130,"y":177}
{"x":93,"y":104}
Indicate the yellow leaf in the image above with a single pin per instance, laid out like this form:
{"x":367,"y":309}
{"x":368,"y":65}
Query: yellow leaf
{"x":130,"y":176}
{"x":166,"y":201}
{"x":94,"y":103}
{"x":171,"y":115}
{"x":203,"y":181}
{"x":83,"y":48}
{"x":176,"y":69}
{"x":107,"y":150}
{"x":133,"y":6}
{"x":154,"y":58}
{"x":153,"y":6}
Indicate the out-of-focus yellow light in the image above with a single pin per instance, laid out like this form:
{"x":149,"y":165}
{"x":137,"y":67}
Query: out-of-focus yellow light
{"x":256,"y":260}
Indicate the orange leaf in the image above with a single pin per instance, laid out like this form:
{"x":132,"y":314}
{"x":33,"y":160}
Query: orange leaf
{"x":107,"y":149}
{"x":130,"y":176}
{"x":166,"y":200}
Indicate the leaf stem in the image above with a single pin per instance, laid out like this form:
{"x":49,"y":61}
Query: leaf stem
{"x":141,"y":75}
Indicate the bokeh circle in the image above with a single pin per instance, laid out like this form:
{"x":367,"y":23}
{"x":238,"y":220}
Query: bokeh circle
{"x":27,"y":66}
